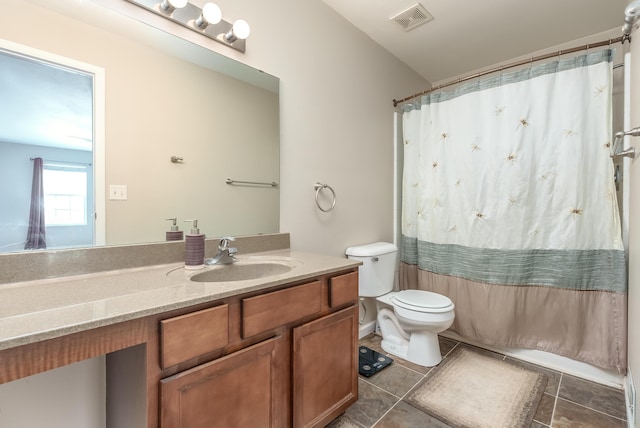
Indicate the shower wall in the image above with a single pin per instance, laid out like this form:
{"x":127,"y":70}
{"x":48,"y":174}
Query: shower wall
{"x":621,"y":175}
{"x":634,"y":238}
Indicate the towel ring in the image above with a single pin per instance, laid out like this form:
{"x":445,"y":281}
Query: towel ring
{"x":319,"y":187}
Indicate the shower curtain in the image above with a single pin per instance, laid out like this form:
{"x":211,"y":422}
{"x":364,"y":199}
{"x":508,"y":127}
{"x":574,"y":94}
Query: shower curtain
{"x":509,"y":208}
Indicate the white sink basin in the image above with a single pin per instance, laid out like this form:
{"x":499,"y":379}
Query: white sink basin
{"x":240,"y":272}
{"x":244,"y":269}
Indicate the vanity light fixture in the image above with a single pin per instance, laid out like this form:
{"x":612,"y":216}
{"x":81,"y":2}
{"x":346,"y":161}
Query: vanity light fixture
{"x":206,"y":21}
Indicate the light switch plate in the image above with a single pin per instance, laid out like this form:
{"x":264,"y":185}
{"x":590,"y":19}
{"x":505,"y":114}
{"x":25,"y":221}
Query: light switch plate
{"x":118,"y":192}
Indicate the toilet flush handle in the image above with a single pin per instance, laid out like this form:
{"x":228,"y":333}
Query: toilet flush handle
{"x":375,"y":259}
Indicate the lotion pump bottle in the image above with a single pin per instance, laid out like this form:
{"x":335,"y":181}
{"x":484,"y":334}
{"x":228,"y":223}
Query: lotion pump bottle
{"x":194,"y":247}
{"x":175,"y":234}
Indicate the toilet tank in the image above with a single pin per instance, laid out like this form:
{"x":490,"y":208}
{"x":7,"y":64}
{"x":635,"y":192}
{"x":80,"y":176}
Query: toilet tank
{"x":378,"y":269}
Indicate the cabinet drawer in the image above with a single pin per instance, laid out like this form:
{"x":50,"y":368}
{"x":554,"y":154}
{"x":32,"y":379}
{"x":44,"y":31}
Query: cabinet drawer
{"x":343,"y":289}
{"x":191,"y":335}
{"x":271,"y":310}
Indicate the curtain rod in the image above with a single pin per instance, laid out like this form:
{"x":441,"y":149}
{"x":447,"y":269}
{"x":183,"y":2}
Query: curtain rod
{"x":515,"y":64}
{"x":59,"y":161}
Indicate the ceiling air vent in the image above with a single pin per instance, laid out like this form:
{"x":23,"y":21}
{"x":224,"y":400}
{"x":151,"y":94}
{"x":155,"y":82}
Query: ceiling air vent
{"x":413,"y":17}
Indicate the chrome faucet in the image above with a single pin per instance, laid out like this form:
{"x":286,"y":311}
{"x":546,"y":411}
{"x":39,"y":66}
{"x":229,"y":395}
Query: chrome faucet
{"x":226,"y":254}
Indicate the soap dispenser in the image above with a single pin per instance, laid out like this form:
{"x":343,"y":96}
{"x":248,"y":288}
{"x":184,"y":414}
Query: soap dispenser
{"x":194,"y":247}
{"x":175,"y":234}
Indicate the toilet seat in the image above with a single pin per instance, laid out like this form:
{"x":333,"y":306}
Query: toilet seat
{"x":422,"y":301}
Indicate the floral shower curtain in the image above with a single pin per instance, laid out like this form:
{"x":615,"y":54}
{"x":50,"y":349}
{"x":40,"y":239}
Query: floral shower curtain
{"x":509,"y":208}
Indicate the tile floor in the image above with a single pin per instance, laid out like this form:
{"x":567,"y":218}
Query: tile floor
{"x":568,"y":401}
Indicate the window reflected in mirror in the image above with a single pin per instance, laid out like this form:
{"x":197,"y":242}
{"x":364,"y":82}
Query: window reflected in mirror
{"x":46,"y":112}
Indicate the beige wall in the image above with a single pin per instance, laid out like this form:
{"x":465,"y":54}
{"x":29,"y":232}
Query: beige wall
{"x":634,"y":224}
{"x":336,"y":118}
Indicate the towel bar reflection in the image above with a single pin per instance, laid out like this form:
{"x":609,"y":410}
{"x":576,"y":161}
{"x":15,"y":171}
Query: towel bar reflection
{"x":319,"y":187}
{"x":251,"y":183}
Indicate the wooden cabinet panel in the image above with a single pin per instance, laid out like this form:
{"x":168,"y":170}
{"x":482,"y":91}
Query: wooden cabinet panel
{"x":239,"y":390}
{"x":343,"y":289}
{"x":268,"y":311}
{"x":194,"y":334}
{"x":325,"y":368}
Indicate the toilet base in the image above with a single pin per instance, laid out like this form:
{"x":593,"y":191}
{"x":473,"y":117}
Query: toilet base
{"x":416,"y":342}
{"x":422,"y":348}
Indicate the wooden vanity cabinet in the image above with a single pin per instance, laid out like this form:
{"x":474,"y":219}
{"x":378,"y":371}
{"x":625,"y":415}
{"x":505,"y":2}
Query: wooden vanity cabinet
{"x":289,"y":359}
{"x":278,"y":357}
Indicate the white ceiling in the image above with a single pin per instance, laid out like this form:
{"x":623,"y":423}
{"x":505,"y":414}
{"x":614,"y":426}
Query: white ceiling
{"x":44,"y":104}
{"x":467,"y":35}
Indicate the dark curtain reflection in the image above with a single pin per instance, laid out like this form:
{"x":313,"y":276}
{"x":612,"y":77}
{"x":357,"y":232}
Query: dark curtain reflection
{"x":36,"y":235}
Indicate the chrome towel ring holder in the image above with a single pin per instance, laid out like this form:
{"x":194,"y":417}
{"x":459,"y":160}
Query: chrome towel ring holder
{"x":319,"y":187}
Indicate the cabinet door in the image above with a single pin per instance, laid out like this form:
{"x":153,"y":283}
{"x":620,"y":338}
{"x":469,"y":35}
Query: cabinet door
{"x":325,"y":368}
{"x":242,"y":389}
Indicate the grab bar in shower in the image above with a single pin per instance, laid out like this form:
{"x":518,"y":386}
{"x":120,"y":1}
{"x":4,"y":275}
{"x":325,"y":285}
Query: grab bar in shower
{"x":630,"y":152}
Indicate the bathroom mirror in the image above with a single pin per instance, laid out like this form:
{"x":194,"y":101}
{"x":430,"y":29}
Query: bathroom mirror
{"x":165,"y":98}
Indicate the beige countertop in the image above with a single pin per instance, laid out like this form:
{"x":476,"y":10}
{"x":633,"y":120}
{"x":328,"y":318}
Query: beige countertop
{"x":34,"y":311}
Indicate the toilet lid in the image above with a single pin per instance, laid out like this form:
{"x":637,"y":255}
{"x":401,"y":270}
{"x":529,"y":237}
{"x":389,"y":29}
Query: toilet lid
{"x":422,"y":300}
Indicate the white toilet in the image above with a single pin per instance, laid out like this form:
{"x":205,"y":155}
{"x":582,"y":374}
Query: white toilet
{"x":409,"y":320}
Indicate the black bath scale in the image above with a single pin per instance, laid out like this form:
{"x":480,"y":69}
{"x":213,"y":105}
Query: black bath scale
{"x":371,"y":361}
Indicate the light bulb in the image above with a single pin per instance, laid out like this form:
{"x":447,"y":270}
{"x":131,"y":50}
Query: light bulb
{"x":241,"y":29}
{"x":170,"y":5}
{"x":211,"y":14}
